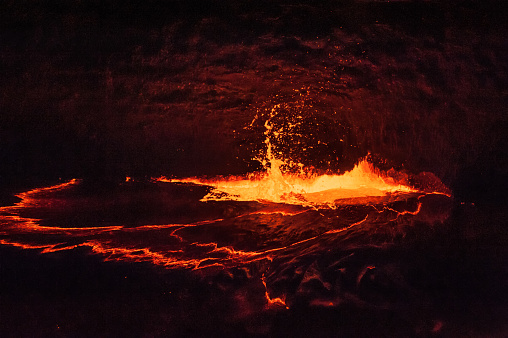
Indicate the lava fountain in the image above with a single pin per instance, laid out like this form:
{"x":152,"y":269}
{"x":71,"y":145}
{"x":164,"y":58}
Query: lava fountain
{"x":281,"y":183}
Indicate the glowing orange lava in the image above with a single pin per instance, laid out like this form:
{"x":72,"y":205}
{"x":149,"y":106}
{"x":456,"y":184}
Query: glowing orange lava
{"x":273,"y":302}
{"x":322,"y":190}
{"x":279,"y":185}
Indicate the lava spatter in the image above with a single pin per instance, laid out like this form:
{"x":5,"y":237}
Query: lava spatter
{"x":285,"y":180}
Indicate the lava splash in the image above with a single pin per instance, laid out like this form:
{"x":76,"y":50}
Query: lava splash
{"x":285,"y":179}
{"x":363,"y":181}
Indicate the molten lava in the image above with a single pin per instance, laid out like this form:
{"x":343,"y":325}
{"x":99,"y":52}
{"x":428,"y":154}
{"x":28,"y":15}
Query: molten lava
{"x":278,"y":184}
{"x":317,"y":190}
